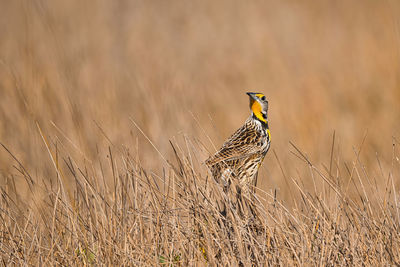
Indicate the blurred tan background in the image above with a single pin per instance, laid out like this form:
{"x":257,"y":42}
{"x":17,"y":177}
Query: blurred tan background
{"x":81,"y":69}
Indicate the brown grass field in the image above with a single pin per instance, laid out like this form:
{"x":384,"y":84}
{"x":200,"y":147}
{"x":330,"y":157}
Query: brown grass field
{"x":108,"y":110}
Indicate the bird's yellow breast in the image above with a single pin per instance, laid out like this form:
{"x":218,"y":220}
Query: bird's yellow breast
{"x":256,"y":108}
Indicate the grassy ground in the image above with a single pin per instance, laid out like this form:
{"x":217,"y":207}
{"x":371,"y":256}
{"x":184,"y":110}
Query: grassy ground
{"x":109,"y":109}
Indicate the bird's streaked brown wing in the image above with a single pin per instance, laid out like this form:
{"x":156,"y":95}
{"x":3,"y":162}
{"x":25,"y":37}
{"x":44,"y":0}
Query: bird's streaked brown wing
{"x":241,"y":144}
{"x":232,"y":153}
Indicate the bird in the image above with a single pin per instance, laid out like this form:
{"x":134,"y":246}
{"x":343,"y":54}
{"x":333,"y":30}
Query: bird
{"x":241,"y":155}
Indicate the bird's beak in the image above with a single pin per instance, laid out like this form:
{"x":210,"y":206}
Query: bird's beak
{"x":252,"y":95}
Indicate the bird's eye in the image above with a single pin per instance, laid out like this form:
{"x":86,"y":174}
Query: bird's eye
{"x":263,"y":98}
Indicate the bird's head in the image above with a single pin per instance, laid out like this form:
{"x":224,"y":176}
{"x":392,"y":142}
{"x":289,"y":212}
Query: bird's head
{"x":259,"y":106}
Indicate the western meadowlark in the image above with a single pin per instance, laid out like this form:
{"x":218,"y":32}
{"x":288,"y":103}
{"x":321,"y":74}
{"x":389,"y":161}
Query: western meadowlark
{"x":241,"y":155}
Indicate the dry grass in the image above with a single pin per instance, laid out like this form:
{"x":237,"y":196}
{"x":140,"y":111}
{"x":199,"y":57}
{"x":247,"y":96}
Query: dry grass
{"x":92,"y":93}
